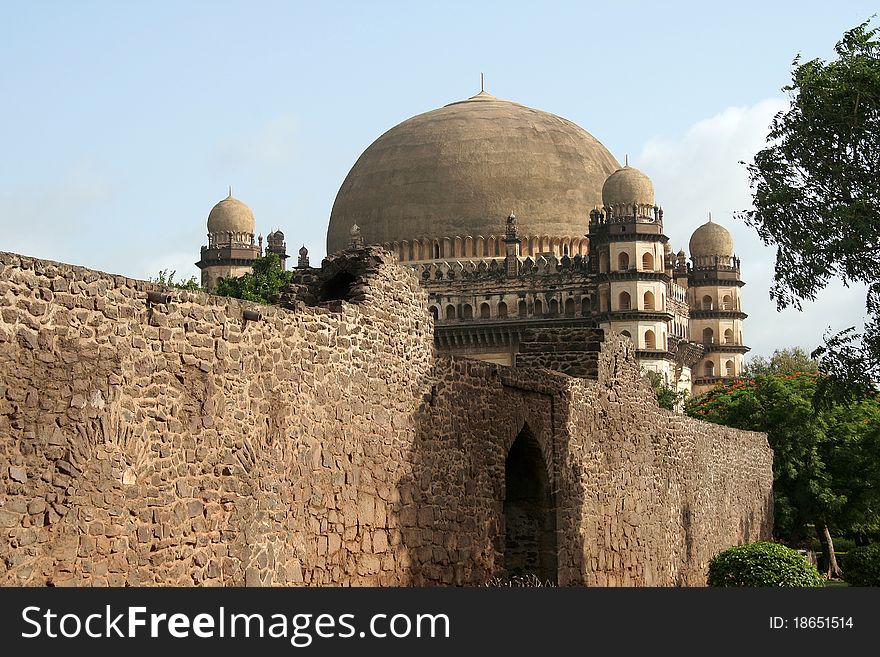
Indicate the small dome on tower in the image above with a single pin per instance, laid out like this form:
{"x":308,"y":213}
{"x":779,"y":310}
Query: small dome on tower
{"x":628,"y":185}
{"x":711,"y":239}
{"x":231,"y":216}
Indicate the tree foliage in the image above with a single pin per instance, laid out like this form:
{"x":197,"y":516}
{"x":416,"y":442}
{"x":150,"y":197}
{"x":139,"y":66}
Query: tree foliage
{"x":262,"y":285}
{"x":826,"y":459}
{"x":166,"y":278}
{"x":783,"y":362}
{"x":816,"y":192}
{"x":667,"y":396}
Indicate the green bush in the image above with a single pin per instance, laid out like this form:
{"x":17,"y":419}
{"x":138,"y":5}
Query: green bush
{"x":861,"y":566}
{"x":762,"y":564}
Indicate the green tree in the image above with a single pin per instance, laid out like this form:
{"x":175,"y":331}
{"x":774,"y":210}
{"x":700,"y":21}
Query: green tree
{"x":263,"y":284}
{"x":826,"y":460}
{"x":783,"y":361}
{"x":815,"y":190}
{"x":166,"y":278}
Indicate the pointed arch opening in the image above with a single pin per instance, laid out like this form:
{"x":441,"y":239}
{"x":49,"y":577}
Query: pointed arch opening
{"x":529,"y":512}
{"x":708,"y":336}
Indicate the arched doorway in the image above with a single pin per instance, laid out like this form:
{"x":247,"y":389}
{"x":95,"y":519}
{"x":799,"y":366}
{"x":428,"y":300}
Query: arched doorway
{"x":529,"y":512}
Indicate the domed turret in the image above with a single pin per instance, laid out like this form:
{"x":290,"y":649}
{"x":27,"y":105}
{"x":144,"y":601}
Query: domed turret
{"x":231,"y":216}
{"x":231,"y":249}
{"x":627,"y":186}
{"x":715,"y":306}
{"x":710,"y":240}
{"x":303,"y":261}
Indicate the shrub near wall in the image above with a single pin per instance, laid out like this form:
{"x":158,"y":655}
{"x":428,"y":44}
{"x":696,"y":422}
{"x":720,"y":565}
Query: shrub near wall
{"x":861,"y":566}
{"x":762,"y":564}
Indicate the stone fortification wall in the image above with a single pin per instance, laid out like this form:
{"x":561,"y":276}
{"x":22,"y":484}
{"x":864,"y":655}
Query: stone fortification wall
{"x":178,"y":443}
{"x":572,"y":351}
{"x":661,"y":492}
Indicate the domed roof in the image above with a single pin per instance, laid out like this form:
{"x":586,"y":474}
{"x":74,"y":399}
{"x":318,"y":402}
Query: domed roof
{"x":462,"y":169}
{"x":711,"y":239}
{"x":628,"y":185}
{"x":231,"y":215}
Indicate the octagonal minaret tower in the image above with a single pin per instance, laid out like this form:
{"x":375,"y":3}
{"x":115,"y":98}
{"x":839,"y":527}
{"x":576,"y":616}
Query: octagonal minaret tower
{"x":628,"y":252}
{"x":231,"y":249}
{"x":716,"y":317}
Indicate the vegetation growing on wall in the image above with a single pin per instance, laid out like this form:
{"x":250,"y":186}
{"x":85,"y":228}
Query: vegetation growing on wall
{"x":263,"y":285}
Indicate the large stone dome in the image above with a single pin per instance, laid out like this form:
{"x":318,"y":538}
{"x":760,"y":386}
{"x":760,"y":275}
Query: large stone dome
{"x":460,"y":170}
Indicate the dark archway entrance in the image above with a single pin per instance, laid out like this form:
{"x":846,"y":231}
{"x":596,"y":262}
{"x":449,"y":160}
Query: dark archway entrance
{"x":529,"y":512}
{"x":338,"y":288}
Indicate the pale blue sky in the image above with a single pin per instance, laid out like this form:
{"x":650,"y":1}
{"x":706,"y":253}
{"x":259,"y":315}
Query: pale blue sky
{"x":124,"y":122}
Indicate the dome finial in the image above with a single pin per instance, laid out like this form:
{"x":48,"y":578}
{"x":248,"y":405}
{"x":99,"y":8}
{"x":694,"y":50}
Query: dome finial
{"x":626,"y":159}
{"x":230,"y":192}
{"x":482,"y":88}
{"x":357,"y":240}
{"x":710,"y":217}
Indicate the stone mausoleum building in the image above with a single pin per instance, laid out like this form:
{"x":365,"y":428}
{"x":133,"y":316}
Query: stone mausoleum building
{"x":368,"y":430}
{"x":516,"y":220}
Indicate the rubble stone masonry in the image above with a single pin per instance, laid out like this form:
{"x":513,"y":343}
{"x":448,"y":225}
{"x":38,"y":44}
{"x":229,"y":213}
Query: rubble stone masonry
{"x":324,"y":443}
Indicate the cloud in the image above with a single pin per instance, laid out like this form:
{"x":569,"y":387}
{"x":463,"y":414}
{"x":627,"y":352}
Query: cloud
{"x":700,"y":172}
{"x":270,"y":146}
